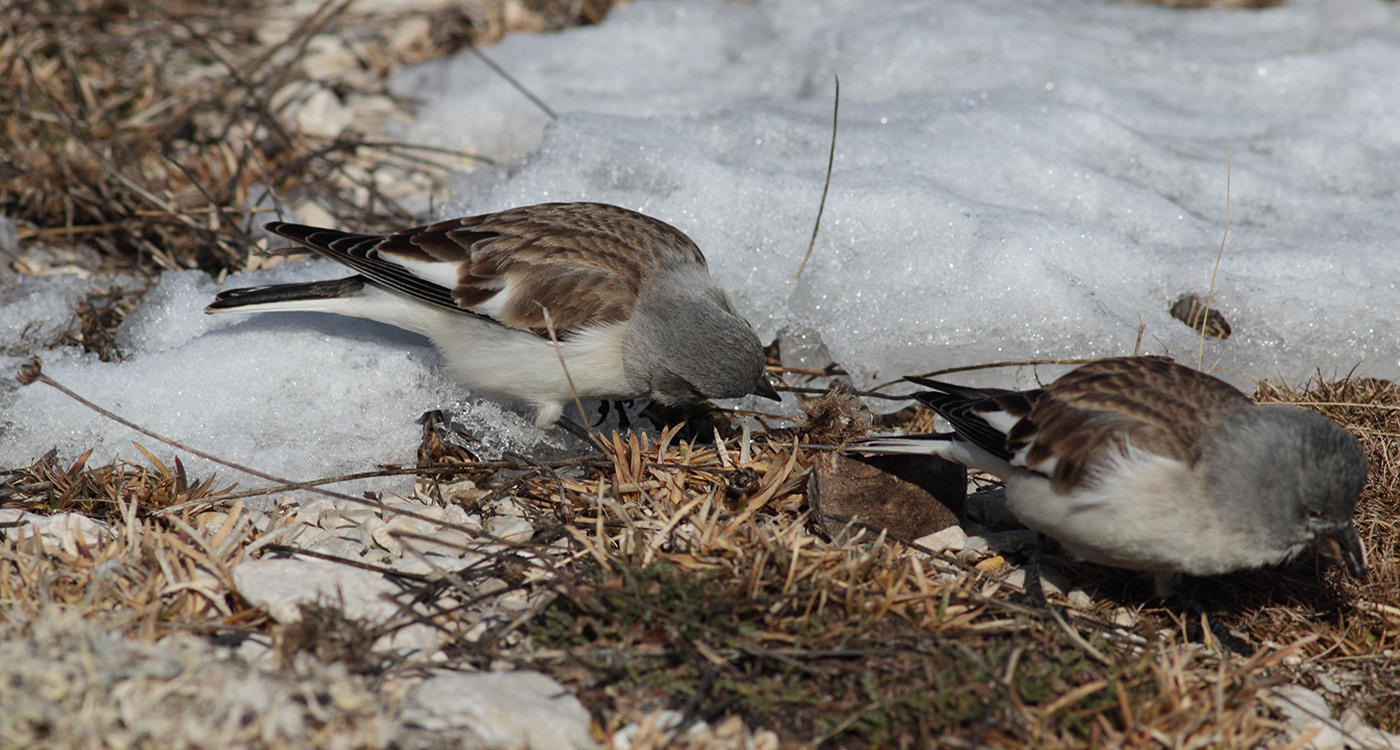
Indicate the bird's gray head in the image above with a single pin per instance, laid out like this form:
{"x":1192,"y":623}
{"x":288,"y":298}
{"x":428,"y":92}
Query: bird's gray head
{"x":687,"y":343}
{"x":1293,"y":478}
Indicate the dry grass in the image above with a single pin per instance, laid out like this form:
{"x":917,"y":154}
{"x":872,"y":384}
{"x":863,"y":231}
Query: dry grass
{"x":690,"y":577}
{"x":143,"y":136}
{"x":143,"y":575}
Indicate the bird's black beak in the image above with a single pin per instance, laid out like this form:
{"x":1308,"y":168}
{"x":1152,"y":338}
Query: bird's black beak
{"x":1343,"y":543}
{"x":766,"y":390}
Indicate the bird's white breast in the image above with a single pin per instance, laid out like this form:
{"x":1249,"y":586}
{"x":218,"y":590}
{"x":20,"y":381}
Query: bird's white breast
{"x":1139,"y":511}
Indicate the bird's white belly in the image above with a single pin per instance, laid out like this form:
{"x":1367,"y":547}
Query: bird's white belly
{"x":1152,"y":517}
{"x":521,"y":366}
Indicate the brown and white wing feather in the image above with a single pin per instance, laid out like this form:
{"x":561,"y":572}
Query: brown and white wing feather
{"x":1099,"y":409}
{"x":583,"y":262}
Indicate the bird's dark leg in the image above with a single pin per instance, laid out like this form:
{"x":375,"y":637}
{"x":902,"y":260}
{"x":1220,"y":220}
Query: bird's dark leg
{"x":1228,"y":641}
{"x":1034,"y":595}
{"x":624,"y":423}
{"x":604,"y":407}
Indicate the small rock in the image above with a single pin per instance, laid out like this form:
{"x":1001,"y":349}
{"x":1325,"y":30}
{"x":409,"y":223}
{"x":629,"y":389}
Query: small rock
{"x":341,"y":543}
{"x":663,"y":722}
{"x":354,"y":512}
{"x":513,"y":602}
{"x":975,"y":547}
{"x":310,"y":512}
{"x":421,"y":510}
{"x":421,"y":565}
{"x":261,"y":522}
{"x":1079,"y":598}
{"x":1306,"y":711}
{"x":388,"y":535}
{"x":456,"y":516}
{"x":505,"y":710}
{"x":367,"y":529}
{"x":62,"y":531}
{"x":1051,"y":579}
{"x":912,"y":496}
{"x":510,"y":528}
{"x":323,"y":114}
{"x":951,"y":539}
{"x":1372,"y":738}
{"x":313,"y":213}
{"x":446,"y":543}
{"x":991,"y":564}
{"x":1054,"y":580}
{"x":279,"y":586}
{"x":327,"y":56}
{"x":410,"y":39}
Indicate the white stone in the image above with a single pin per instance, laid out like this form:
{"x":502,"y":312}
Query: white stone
{"x":61,"y":531}
{"x":327,"y":56}
{"x":1052,"y":581}
{"x":322,"y":113}
{"x":410,"y":38}
{"x":279,"y":586}
{"x":1306,"y":711}
{"x":427,"y":565}
{"x":510,"y":528}
{"x":505,"y":710}
{"x":387,"y":536}
{"x":341,"y":543}
{"x":422,"y":511}
{"x":455,"y":515}
{"x":355,"y":512}
{"x":311,"y":511}
{"x":664,"y":720}
{"x":951,"y":539}
{"x":975,"y":547}
{"x":1079,"y":598}
{"x":367,"y":529}
{"x":1371,"y":738}
{"x":446,"y":543}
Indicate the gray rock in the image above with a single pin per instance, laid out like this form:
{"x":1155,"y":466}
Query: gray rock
{"x":505,"y":710}
{"x":280,"y":586}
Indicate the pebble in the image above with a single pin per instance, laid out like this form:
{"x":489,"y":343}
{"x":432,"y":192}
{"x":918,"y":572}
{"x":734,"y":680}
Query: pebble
{"x":510,"y":528}
{"x":280,"y":585}
{"x":336,"y":543}
{"x":456,"y":515}
{"x":499,"y":710}
{"x":387,"y":536}
{"x":1305,"y":711}
{"x":327,"y":56}
{"x":1051,"y":579}
{"x":951,"y":539}
{"x":411,"y":38}
{"x":975,"y":547}
{"x":310,"y":512}
{"x":1079,"y":598}
{"x":64,"y":531}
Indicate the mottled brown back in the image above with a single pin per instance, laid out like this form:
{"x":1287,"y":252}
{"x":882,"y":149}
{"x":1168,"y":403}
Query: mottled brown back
{"x":585,"y":262}
{"x":1151,"y":402}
